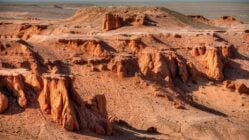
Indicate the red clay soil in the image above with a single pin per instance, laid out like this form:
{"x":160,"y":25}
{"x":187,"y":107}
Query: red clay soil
{"x":124,"y":73}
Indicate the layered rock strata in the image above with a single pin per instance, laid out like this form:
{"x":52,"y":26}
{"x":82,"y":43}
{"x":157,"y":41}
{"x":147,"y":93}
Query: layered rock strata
{"x":56,"y":96}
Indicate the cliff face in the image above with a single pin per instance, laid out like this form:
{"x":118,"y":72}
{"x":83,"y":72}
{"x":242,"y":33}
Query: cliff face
{"x":112,"y":22}
{"x":22,"y":56}
{"x":3,"y":102}
{"x":213,"y":64}
{"x":153,"y":64}
{"x":90,"y":46}
{"x":15,"y":84}
{"x":163,"y":65}
{"x":124,"y":65}
{"x":54,"y":99}
{"x":55,"y":95}
{"x":211,"y":59}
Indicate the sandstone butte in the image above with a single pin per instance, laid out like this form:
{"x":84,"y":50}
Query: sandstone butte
{"x":158,"y":73}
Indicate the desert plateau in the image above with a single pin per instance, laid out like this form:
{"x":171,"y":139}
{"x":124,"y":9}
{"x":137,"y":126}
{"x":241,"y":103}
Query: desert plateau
{"x":71,"y":72}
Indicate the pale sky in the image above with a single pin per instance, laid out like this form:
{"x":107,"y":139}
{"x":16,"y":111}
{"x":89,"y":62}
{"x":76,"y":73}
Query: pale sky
{"x":114,"y":1}
{"x":121,"y":0}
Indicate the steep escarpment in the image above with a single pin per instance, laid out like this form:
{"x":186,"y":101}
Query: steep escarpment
{"x":22,"y":30}
{"x":22,"y":55}
{"x":124,"y":65}
{"x":93,"y":47}
{"x":15,"y":84}
{"x":111,"y":21}
{"x":3,"y":102}
{"x":55,"y":99}
{"x":164,"y":65}
{"x":56,"y":96}
{"x":128,"y":72}
{"x":212,"y":60}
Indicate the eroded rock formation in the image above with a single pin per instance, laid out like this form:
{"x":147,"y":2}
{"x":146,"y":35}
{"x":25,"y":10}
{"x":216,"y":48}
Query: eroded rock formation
{"x":211,"y":59}
{"x":135,"y":20}
{"x":124,"y":65}
{"x":236,"y":86}
{"x":22,"y":55}
{"x":163,"y":65}
{"x":3,"y":102}
{"x":153,"y":64}
{"x":112,"y":22}
{"x":56,"y":96}
{"x":92,"y":47}
{"x":26,"y":30}
{"x":14,"y":83}
{"x":213,"y":64}
{"x":55,"y":99}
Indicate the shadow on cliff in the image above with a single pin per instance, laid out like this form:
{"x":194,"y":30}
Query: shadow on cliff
{"x":234,"y":71}
{"x":107,"y":47}
{"x":192,"y":85}
{"x":63,"y":68}
{"x":14,"y":107}
{"x":120,"y":128}
{"x":238,"y":55}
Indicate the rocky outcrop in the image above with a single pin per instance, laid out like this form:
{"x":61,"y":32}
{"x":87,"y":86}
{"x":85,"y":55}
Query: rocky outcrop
{"x":139,"y":20}
{"x":135,"y":45}
{"x":211,"y":60}
{"x":132,"y":45}
{"x":3,"y":102}
{"x":193,"y":72}
{"x":112,"y":22}
{"x":34,"y":29}
{"x":14,"y":83}
{"x":152,"y":64}
{"x":236,"y":86}
{"x":241,"y":88}
{"x":90,"y":46}
{"x":55,"y":99}
{"x":162,"y":65}
{"x":55,"y":95}
{"x":22,"y":55}
{"x":135,"y":20}
{"x":197,"y":51}
{"x":229,"y":84}
{"x":96,"y":48}
{"x":226,"y":51}
{"x":26,"y":30}
{"x":124,"y":65}
{"x":213,"y":64}
{"x":182,"y":70}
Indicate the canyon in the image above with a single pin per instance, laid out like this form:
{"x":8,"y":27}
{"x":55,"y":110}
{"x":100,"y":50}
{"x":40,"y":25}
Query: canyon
{"x":123,"y":72}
